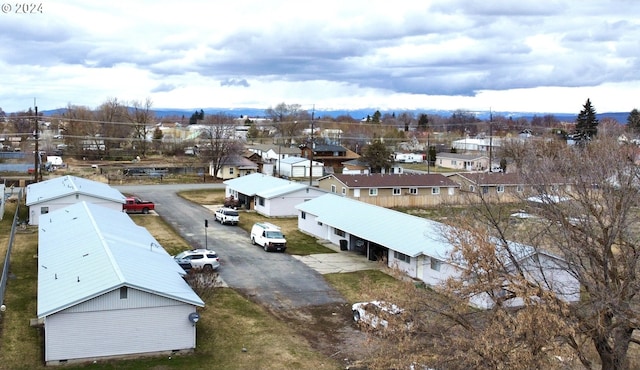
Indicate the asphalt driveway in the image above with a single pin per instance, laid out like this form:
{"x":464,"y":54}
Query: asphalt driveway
{"x":278,"y":280}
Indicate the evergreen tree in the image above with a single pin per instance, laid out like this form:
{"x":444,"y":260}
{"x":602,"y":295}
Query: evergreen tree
{"x":377,"y":156}
{"x":586,"y":123}
{"x":432,"y":155}
{"x":423,"y":122}
{"x":376,"y":117}
{"x":633,"y":121}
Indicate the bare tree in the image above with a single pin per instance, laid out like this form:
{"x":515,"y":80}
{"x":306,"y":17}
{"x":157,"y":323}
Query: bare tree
{"x":218,"y":133}
{"x":141,"y":115}
{"x":81,"y":131}
{"x":586,"y":218}
{"x":289,"y":120}
{"x":112,"y":116}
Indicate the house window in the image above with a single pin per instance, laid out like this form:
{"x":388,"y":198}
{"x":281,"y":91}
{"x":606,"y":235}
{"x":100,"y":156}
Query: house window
{"x":339,"y":232}
{"x":261,"y":201}
{"x":485,"y":189}
{"x":472,"y":188}
{"x":303,"y":215}
{"x":401,"y":256}
{"x":333,"y":188}
{"x":397,"y":191}
{"x":454,"y":163}
{"x":44,"y":210}
{"x":123,"y":292}
{"x":435,"y":190}
{"x":500,"y":188}
{"x":435,"y":264}
{"x":230,"y":170}
{"x":344,"y":191}
{"x":319,"y":223}
{"x":413,"y":191}
{"x":520,"y":188}
{"x":373,"y":192}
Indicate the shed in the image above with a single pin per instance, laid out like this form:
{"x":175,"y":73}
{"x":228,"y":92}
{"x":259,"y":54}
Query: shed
{"x":297,"y":167}
{"x":60,"y":192}
{"x":107,"y":289}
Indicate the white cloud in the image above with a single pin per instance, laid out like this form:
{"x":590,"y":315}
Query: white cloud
{"x":513,"y":56}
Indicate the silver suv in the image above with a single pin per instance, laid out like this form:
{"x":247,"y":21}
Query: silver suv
{"x":204,"y":259}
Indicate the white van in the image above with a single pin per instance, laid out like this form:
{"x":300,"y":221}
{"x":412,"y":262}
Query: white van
{"x":268,"y":236}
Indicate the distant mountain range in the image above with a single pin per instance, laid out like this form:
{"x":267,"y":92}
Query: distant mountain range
{"x":621,"y":117}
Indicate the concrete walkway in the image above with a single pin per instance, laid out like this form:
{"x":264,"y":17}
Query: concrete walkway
{"x":342,"y":261}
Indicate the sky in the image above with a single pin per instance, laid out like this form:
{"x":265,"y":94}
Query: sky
{"x":542,"y":56}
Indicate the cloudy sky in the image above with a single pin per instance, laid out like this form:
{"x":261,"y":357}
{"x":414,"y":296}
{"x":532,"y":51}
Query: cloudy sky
{"x":504,"y":55}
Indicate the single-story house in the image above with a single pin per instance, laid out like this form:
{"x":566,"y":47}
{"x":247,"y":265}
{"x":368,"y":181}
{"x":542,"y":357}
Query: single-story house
{"x":495,"y":186}
{"x":60,"y":192}
{"x":413,"y":245}
{"x":297,"y":167}
{"x":234,"y":166}
{"x":391,"y":190}
{"x":107,"y":289}
{"x":465,"y":162}
{"x":270,"y":196}
{"x":271,"y":152}
{"x":477,"y":145}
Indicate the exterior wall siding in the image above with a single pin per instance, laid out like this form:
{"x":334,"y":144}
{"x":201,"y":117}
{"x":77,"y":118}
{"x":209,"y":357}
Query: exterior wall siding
{"x":63,"y":202}
{"x":112,"y":301}
{"x":120,"y":332}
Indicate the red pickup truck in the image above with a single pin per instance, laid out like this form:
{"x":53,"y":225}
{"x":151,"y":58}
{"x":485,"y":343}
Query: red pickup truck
{"x":136,"y":205}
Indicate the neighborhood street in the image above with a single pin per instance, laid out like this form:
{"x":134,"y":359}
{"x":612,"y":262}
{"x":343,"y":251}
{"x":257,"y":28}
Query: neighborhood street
{"x":276,"y":280}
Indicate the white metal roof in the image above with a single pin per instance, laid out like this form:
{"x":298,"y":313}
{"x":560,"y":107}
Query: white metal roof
{"x":86,"y":250}
{"x":62,"y":186}
{"x":407,"y":234}
{"x":264,"y":186}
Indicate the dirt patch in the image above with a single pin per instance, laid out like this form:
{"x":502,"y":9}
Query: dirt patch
{"x":332,"y":332}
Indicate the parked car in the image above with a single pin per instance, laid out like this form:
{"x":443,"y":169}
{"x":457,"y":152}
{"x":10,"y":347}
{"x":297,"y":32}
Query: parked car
{"x":202,"y":259}
{"x":227,"y":216}
{"x":374,"y":313}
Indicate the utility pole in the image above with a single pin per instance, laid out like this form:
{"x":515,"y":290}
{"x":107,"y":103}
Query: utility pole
{"x":36,"y":155}
{"x":490,"y":140}
{"x":312,"y":147}
{"x":428,"y":155}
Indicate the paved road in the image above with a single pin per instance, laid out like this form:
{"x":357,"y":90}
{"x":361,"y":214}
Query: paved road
{"x":275,"y":279}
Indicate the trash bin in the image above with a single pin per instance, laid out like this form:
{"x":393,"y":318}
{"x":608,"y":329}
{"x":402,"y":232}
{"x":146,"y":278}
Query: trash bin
{"x":344,"y":245}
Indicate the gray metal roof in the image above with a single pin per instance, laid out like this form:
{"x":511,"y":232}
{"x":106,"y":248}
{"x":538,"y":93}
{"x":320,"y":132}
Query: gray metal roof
{"x":86,"y":250}
{"x":59,"y":187}
{"x":264,"y":186}
{"x":407,"y":234}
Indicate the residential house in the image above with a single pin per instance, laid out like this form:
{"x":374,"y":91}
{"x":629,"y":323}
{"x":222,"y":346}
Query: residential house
{"x":355,"y":167}
{"x":297,"y":167}
{"x":234,"y":166}
{"x":273,"y":152}
{"x":492,"y":186}
{"x":477,"y":144}
{"x":393,"y":190}
{"x":465,"y":162}
{"x":414,"y":245}
{"x":60,"y":192}
{"x":270,"y":196}
{"x":330,"y":155}
{"x":107,"y":289}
